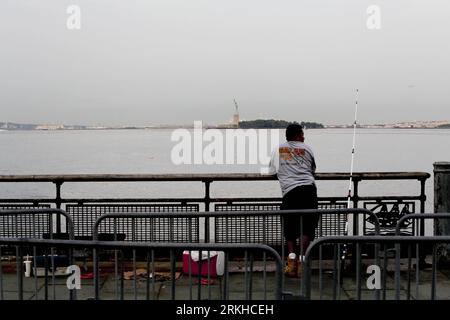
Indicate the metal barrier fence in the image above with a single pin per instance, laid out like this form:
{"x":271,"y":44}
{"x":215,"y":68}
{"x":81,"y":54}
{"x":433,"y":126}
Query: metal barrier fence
{"x":400,"y":287}
{"x":139,"y":226}
{"x":34,"y":223}
{"x":418,"y":217}
{"x":388,"y":208}
{"x":135,"y":223}
{"x":120,"y":223}
{"x":129,"y":278}
{"x":391,"y":254}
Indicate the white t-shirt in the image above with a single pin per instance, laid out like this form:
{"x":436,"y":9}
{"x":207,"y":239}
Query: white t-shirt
{"x":294,"y":164}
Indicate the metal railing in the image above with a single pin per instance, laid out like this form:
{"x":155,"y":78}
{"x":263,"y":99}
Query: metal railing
{"x":119,"y":221}
{"x":228,"y":287}
{"x":132,"y":255}
{"x":376,"y":203}
{"x":254,"y":226}
{"x":424,"y":280}
{"x":419,"y":249}
{"x":385,"y":209}
{"x":34,"y":223}
{"x":422,"y":216}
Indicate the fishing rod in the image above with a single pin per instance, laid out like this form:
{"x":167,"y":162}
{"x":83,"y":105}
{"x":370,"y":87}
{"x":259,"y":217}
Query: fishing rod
{"x":353,"y":152}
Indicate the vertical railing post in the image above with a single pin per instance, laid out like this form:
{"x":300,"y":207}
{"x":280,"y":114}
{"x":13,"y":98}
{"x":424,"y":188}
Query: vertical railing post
{"x":207,"y":198}
{"x":19,"y":272}
{"x":355,"y":205}
{"x":423,"y":199}
{"x":207,"y":201}
{"x":442,"y":204}
{"x":58,"y":202}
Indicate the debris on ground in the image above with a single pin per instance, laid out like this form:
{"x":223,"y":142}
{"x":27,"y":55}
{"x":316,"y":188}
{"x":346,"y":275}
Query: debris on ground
{"x":142,"y":274}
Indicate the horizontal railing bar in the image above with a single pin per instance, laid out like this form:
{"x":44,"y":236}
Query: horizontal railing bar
{"x":206,"y":177}
{"x":220,"y":199}
{"x":360,"y":198}
{"x":34,"y":200}
{"x":134,"y":245}
{"x":367,"y":198}
{"x":420,"y":216}
{"x":96,"y":200}
{"x":76,"y":200}
{"x":377,"y":239}
{"x":34,"y":211}
{"x":234,"y":213}
{"x":258,"y":199}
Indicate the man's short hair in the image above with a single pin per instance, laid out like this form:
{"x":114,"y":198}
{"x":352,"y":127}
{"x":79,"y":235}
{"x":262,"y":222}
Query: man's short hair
{"x":293,"y":130}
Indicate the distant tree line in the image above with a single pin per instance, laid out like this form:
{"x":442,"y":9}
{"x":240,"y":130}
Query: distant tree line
{"x":443,"y":126}
{"x":276,"y":124}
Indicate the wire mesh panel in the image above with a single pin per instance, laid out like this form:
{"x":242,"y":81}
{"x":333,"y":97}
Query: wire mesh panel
{"x":267,"y":229}
{"x":332,"y":224}
{"x":151,"y":229}
{"x":252,"y":229}
{"x":136,"y":229}
{"x":25,"y":225}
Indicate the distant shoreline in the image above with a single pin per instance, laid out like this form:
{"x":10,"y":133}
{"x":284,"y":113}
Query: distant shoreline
{"x":245,"y":124}
{"x":210,"y":127}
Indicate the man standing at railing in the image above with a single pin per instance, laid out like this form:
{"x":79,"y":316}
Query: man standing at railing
{"x":294,"y":164}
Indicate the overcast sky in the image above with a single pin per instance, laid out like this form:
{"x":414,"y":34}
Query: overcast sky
{"x":175,"y":61}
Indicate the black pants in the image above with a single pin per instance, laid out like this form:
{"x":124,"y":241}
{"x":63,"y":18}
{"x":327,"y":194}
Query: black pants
{"x":302,"y":197}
